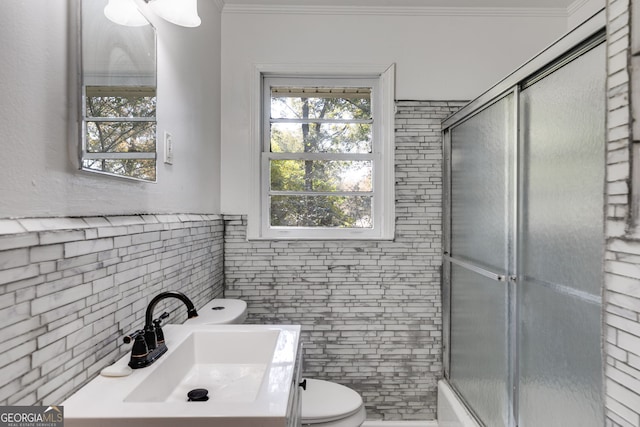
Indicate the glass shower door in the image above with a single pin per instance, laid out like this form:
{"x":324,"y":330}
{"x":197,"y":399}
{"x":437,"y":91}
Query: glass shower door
{"x":524,"y":221}
{"x":480,"y":177}
{"x":561,"y":244}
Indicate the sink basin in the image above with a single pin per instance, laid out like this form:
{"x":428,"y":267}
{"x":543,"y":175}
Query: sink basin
{"x":248,"y":371}
{"x":230,"y":365}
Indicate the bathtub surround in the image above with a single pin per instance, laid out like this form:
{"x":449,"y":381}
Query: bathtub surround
{"x":70,"y":288}
{"x":370,"y":310}
{"x":622,"y":277}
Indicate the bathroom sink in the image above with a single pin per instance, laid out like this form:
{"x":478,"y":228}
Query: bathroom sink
{"x":248,"y":371}
{"x":230,"y":365}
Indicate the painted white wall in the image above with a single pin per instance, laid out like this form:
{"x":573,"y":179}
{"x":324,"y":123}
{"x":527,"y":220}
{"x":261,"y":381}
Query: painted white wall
{"x":581,"y":10}
{"x":38,"y":175}
{"x":438,"y":57}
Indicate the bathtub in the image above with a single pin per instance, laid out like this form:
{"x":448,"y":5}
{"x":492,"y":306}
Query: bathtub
{"x":451,"y":411}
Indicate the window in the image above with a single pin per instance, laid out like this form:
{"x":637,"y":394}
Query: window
{"x":326,"y":159}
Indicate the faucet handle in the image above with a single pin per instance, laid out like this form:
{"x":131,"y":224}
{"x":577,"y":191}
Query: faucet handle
{"x":129,"y":338}
{"x":140,"y":351}
{"x":158,"y":329}
{"x":157,"y":321}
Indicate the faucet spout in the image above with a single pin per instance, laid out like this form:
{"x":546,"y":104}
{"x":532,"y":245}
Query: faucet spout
{"x":149,"y":342}
{"x":191,"y":310}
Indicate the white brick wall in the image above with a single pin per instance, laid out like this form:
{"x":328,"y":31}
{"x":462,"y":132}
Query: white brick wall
{"x":370,"y":311}
{"x":622,"y":265}
{"x":71,"y":287}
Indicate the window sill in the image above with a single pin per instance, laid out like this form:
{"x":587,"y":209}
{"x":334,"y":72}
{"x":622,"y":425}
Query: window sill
{"x":321,"y":235}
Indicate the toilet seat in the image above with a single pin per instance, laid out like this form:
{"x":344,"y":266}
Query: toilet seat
{"x":329,"y":404}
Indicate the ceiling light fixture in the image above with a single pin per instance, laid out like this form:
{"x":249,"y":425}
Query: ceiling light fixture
{"x":179,"y":12}
{"x":124,"y":12}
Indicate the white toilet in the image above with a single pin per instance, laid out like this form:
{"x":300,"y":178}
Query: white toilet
{"x":324,"y":404}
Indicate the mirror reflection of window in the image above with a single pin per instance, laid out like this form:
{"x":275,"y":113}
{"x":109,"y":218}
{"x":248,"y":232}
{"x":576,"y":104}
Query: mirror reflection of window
{"x":119,"y":93}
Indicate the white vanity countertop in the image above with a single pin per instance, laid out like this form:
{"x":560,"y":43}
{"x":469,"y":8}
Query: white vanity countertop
{"x":118,"y":401}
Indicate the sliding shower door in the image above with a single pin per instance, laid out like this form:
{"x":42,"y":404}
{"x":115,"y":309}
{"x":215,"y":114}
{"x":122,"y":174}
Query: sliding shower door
{"x":524,"y":218}
{"x":481,"y":158}
{"x":559,"y":303}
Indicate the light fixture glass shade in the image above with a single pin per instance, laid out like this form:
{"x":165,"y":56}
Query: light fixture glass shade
{"x":124,"y":12}
{"x":179,"y":12}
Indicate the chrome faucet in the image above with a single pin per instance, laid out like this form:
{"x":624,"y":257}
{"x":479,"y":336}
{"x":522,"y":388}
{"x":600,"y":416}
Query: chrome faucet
{"x":148,"y":343}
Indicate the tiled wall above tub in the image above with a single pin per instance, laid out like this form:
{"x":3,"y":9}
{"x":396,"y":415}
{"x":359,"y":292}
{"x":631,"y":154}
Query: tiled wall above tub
{"x":370,"y":310}
{"x":71,"y":287}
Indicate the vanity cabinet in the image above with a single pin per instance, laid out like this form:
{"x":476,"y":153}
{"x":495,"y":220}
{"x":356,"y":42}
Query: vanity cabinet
{"x":294,"y":408}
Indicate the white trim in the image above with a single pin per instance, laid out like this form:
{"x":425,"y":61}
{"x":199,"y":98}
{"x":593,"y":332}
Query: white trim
{"x":376,"y":423}
{"x":550,"y":12}
{"x":575,"y":6}
{"x":219,"y":4}
{"x":321,"y":69}
{"x":255,"y":153}
{"x":256,"y":225}
{"x":387,"y":130}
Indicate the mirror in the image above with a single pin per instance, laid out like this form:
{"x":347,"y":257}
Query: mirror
{"x":118,"y":93}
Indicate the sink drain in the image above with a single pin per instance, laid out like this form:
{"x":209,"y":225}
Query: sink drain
{"x":198,"y":395}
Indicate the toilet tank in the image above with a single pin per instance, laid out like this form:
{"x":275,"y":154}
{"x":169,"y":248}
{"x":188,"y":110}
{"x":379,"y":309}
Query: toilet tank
{"x":220,"y":311}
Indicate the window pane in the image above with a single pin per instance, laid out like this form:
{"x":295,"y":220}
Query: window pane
{"x":128,"y":103}
{"x":320,"y":138}
{"x":320,"y":103}
{"x":136,"y":168}
{"x":121,"y":137}
{"x":321,"y":211}
{"x":320,"y":175}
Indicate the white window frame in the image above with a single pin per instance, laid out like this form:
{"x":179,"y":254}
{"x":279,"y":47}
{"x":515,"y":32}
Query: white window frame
{"x":383,"y":206}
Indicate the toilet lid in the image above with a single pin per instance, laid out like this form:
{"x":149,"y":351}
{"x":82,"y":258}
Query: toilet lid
{"x":219,"y":311}
{"x":325,"y":401}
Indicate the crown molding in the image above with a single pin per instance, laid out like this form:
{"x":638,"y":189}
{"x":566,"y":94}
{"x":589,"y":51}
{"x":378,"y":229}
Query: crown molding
{"x":219,"y":4}
{"x":399,"y":11}
{"x":574,"y":6}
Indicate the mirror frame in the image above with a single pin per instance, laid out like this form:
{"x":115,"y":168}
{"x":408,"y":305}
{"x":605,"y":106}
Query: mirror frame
{"x":84,"y":119}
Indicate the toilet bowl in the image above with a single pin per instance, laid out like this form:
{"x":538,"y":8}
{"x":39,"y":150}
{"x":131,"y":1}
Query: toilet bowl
{"x":327,"y":404}
{"x":324,"y":403}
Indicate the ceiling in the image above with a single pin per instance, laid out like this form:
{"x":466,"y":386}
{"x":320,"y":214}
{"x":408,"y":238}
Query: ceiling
{"x":560,"y":4}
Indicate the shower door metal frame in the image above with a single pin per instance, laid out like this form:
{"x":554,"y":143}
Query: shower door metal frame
{"x":581,"y":39}
{"x":510,"y":261}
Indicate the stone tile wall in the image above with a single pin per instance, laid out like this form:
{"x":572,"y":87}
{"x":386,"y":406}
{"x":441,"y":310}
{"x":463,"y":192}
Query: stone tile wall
{"x":370,"y":310}
{"x":622,"y":257}
{"x":70,"y":288}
